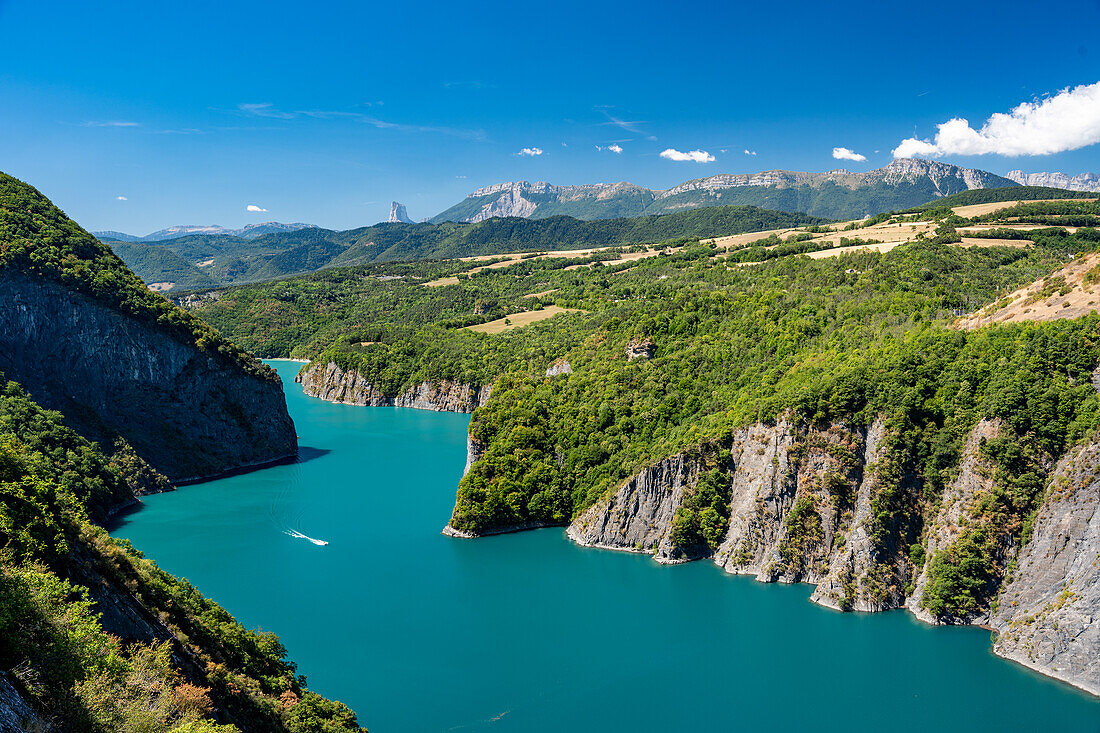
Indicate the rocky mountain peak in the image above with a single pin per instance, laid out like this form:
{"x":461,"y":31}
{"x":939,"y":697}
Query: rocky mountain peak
{"x":398,"y":214}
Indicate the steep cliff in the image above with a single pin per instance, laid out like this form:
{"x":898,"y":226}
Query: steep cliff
{"x":1047,"y":613}
{"x":799,"y":511}
{"x":639,"y":516}
{"x":331,"y":383}
{"x":398,"y":214}
{"x":82,"y":334}
{"x":802,"y":508}
{"x":186,"y":414}
{"x":1079,"y":182}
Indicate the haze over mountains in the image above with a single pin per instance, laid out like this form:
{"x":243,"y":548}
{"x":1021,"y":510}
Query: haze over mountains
{"x":249,"y":231}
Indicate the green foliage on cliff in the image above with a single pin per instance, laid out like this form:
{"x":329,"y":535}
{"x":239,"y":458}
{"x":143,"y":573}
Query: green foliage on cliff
{"x":700,"y":521}
{"x":53,"y":643}
{"x":963,"y":577}
{"x":38,"y":240}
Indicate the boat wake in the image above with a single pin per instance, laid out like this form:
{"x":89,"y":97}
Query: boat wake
{"x":299,"y":535}
{"x":280,"y":510}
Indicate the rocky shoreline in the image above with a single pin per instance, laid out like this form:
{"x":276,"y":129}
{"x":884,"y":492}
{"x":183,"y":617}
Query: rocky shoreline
{"x":1044,"y":612}
{"x":1044,"y":616}
{"x":331,"y":383}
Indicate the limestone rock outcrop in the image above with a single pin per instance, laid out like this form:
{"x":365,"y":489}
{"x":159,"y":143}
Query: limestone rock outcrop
{"x":1048,"y":613}
{"x":331,"y":383}
{"x":1079,"y":182}
{"x":398,"y":214}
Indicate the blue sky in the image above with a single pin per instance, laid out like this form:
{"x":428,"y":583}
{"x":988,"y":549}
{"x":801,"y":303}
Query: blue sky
{"x":325,"y":112}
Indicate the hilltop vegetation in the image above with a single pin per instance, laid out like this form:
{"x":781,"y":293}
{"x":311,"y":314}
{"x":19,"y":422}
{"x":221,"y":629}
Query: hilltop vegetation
{"x":844,"y":338}
{"x":223,"y":259}
{"x":38,"y":240}
{"x":995,"y":195}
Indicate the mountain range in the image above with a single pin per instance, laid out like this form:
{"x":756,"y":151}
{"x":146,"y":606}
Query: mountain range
{"x":1080,"y":182}
{"x":837,"y":194}
{"x":249,"y":231}
{"x":203,"y":260}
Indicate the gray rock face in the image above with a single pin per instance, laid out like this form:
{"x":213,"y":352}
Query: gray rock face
{"x":559,"y":368}
{"x":638,"y":517}
{"x":510,"y":203}
{"x":1048,"y":613}
{"x":640,"y":349}
{"x":331,"y":383}
{"x":851,"y":582}
{"x":186,"y":414}
{"x":521,"y":198}
{"x":16,"y":715}
{"x":772,"y":468}
{"x":398,"y":215}
{"x":1079,"y":182}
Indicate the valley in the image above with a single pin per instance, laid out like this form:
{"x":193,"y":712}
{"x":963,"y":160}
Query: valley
{"x":598,"y":367}
{"x":677,"y":367}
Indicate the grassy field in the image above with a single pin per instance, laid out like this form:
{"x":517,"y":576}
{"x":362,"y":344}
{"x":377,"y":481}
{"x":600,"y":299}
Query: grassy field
{"x":518,"y":320}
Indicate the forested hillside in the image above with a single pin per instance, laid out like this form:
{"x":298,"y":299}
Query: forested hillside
{"x":687,"y":347}
{"x":203,"y":260}
{"x":96,"y":638}
{"x":93,"y":637}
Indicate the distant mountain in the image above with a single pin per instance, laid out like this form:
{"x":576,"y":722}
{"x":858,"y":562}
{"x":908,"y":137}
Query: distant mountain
{"x":837,"y":194}
{"x":204,"y":260}
{"x":1080,"y":182}
{"x":250,"y":231}
{"x":398,"y":214}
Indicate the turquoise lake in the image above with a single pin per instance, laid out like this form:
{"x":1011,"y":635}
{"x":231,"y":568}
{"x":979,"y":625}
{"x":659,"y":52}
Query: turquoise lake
{"x":528,"y":632}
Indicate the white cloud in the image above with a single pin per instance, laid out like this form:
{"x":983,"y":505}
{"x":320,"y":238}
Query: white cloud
{"x":530,"y":151}
{"x":615,"y":148}
{"x":113,"y":123}
{"x":1067,"y":121}
{"x":750,"y":152}
{"x":266,"y":109}
{"x":695,"y":156}
{"x":846,"y":154}
{"x":121,"y":198}
{"x":254,"y":207}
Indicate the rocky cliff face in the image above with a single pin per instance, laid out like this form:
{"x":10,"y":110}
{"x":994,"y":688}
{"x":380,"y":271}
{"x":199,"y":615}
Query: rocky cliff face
{"x":1079,"y":182}
{"x":524,"y":199}
{"x":510,"y":203}
{"x":16,"y":714}
{"x":398,"y":214}
{"x":638,"y":517}
{"x":331,"y":383}
{"x":188,"y":415}
{"x":1048,"y":613}
{"x":802,"y":510}
{"x":799,"y":506}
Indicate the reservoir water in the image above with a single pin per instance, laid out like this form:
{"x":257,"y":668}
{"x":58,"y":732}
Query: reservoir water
{"x":528,"y":632}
